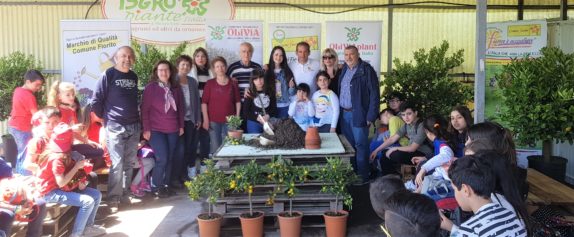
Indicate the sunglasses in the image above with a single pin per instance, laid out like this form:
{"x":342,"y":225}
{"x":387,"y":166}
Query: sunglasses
{"x":328,"y":57}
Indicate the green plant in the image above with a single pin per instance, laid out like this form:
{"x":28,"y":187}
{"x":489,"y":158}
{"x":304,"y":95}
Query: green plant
{"x":284,"y":175}
{"x":336,"y":176}
{"x":426,"y":82}
{"x":210,"y":184}
{"x":146,"y":60}
{"x":244,"y":178}
{"x":12,"y":70}
{"x":233,"y":122}
{"x":539,"y":96}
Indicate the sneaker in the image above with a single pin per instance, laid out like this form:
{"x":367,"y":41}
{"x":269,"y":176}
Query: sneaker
{"x":136,"y":191}
{"x":114,"y":207}
{"x":410,"y":185}
{"x":191,"y":172}
{"x":161,"y":193}
{"x":125,"y":200}
{"x":170,"y":191}
{"x":145,"y":186}
{"x":95,"y":230}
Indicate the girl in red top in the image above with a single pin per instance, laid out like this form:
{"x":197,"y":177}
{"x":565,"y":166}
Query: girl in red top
{"x":220,"y":99}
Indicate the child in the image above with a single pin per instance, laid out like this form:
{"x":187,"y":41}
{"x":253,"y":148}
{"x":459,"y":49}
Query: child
{"x":93,"y":130}
{"x":411,"y":215}
{"x":58,"y":176}
{"x":301,"y":109}
{"x":261,"y":102}
{"x":473,"y":184}
{"x":381,"y":189}
{"x":390,"y":124}
{"x":146,"y":161}
{"x":23,"y":107}
{"x":326,"y":105}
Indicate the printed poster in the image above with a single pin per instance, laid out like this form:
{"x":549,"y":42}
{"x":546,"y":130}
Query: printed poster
{"x":223,"y":38}
{"x":289,"y":34}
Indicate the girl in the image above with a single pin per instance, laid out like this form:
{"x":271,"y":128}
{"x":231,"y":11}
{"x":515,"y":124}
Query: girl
{"x":62,"y":96}
{"x":92,"y":129}
{"x":262,"y":102}
{"x":330,"y":64}
{"x":279,"y":74}
{"x":326,"y":104}
{"x":145,"y":162}
{"x":460,"y":121}
{"x":187,"y":146}
{"x":301,"y":109}
{"x":162,"y":121}
{"x":220,"y":99}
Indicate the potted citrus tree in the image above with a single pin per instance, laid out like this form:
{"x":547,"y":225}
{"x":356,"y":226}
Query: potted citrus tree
{"x":243,"y":179}
{"x":284,"y":175}
{"x":209,"y":185}
{"x":539,"y":96}
{"x":233,"y":126}
{"x":336,"y":176}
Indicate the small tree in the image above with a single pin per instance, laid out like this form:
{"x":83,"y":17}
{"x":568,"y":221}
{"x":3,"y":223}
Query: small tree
{"x":426,"y":82}
{"x":210,"y":184}
{"x":146,"y":60}
{"x":285,"y":175}
{"x":244,"y":179}
{"x":233,"y":122}
{"x":336,"y":176}
{"x":539,"y":96}
{"x":12,"y":70}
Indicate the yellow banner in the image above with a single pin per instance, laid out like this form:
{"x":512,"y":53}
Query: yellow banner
{"x":524,"y":30}
{"x":289,"y":44}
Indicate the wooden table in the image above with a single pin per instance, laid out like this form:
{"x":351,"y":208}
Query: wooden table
{"x":548,"y":191}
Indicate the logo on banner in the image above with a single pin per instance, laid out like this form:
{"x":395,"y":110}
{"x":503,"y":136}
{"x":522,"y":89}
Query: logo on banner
{"x":495,"y":39}
{"x":353,"y":33}
{"x":217,"y":32}
{"x":168,"y":21}
{"x":279,"y":36}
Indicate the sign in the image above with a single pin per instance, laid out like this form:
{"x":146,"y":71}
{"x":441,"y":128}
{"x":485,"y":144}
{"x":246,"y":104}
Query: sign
{"x":168,"y":22}
{"x":289,"y":34}
{"x":88,"y":47}
{"x":224,"y":37}
{"x":505,"y":41}
{"x":365,"y":35}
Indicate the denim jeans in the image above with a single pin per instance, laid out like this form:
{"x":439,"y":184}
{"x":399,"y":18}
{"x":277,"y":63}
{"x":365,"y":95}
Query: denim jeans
{"x":283,"y":112}
{"x":34,"y":227}
{"x":164,"y":147}
{"x":254,"y":127}
{"x":358,"y":138}
{"x":122,"y":143}
{"x":204,"y":143}
{"x":186,"y":150}
{"x":88,"y":200}
{"x":217,"y":131}
{"x":21,"y":138}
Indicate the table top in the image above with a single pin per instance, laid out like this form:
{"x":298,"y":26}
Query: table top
{"x":549,"y":190}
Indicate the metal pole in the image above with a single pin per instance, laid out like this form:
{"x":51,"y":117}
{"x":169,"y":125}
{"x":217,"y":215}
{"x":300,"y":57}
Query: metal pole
{"x":390,"y":38}
{"x":564,"y":10}
{"x":520,"y":15}
{"x":480,"y":52}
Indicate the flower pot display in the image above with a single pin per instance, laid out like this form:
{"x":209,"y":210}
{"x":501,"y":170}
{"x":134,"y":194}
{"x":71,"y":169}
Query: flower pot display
{"x":312,"y":138}
{"x":555,"y":168}
{"x":252,"y":225}
{"x":209,"y":226}
{"x":290,"y":225}
{"x":237,"y":134}
{"x":336,"y":223}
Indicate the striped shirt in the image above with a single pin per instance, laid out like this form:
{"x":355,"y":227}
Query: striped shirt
{"x":242,"y":73}
{"x":491,"y":220}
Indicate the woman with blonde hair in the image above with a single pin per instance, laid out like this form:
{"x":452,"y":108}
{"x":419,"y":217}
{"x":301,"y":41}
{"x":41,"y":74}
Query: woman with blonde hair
{"x":330,"y":64}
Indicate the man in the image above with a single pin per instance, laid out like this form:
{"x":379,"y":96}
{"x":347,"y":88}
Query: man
{"x":305,"y":69}
{"x":241,"y":70}
{"x":116,"y":101}
{"x":359,"y":100}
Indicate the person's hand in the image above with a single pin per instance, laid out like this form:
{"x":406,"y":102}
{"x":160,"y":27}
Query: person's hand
{"x":83,"y":185}
{"x":373,"y":154}
{"x":420,"y":177}
{"x":291,"y":83}
{"x":369,"y":124}
{"x":206,"y":125}
{"x":25,"y":210}
{"x":180,"y":131}
{"x":390,"y":151}
{"x":147,"y":135}
{"x":418,"y":159}
{"x":77,"y":128}
{"x":80,"y":164}
{"x":247,"y":94}
{"x":93,"y":144}
{"x":333,"y":130}
{"x":197,"y":125}
{"x":445,"y":223}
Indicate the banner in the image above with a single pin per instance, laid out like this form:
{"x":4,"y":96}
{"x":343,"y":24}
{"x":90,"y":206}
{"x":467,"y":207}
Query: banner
{"x":365,"y":35}
{"x":289,"y":34}
{"x":168,"y":22}
{"x":224,"y":37}
{"x":88,"y":47}
{"x":505,"y":41}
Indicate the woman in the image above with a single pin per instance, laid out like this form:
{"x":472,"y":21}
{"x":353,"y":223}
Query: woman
{"x":220,"y":99}
{"x":279,"y":75}
{"x":330,"y":64}
{"x":460,"y":121}
{"x":163,"y":111}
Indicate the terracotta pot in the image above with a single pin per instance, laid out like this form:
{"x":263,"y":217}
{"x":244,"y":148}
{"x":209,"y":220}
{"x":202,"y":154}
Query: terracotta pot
{"x":252,"y":227}
{"x":211,"y":227}
{"x":312,"y":138}
{"x":237,"y":134}
{"x":290,"y":226}
{"x":336,"y":226}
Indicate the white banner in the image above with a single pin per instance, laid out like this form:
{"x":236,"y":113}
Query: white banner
{"x":87,"y":51}
{"x":224,"y":37}
{"x":365,"y":35}
{"x":289,"y":34}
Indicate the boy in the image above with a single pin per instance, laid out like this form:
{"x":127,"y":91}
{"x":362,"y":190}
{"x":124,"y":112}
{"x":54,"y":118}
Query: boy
{"x":473,"y":184}
{"x":411,"y":215}
{"x":302,"y":109}
{"x":381,"y":189}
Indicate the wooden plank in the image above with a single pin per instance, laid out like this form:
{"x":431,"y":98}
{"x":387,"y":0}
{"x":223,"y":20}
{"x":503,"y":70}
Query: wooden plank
{"x":535,"y":200}
{"x":549,"y":190}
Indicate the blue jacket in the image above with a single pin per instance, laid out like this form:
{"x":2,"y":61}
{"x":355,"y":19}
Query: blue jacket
{"x":365,"y":96}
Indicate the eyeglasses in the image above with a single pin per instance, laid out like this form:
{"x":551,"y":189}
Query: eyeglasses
{"x":394,"y":101}
{"x":328,"y":57}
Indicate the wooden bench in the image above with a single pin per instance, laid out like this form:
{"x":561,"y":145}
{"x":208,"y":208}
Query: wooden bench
{"x":547,"y":191}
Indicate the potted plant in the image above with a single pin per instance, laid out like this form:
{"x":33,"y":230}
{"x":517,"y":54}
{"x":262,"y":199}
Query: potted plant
{"x":285,"y":175}
{"x":209,"y":184}
{"x":233,"y":125}
{"x":336,"y":176}
{"x":243,"y":179}
{"x":539,"y":96}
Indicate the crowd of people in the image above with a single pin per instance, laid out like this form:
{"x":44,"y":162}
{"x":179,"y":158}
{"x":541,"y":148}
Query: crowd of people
{"x":181,"y":121}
